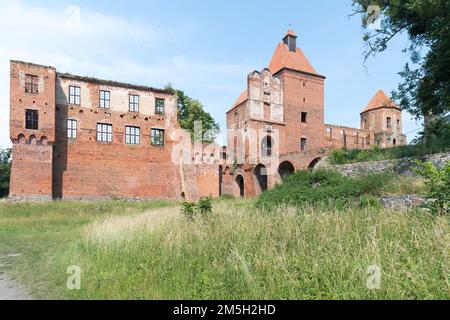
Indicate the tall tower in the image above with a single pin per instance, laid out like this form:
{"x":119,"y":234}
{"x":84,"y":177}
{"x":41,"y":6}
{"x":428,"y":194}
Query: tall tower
{"x":383,"y":119}
{"x":32,"y":129}
{"x":303,"y":97}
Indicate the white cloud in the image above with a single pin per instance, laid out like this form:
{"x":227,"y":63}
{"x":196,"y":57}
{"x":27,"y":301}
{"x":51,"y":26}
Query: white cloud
{"x":100,"y":45}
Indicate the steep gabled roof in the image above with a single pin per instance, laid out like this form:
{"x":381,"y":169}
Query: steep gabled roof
{"x":380,"y":100}
{"x":242,"y":98}
{"x":283,"y":58}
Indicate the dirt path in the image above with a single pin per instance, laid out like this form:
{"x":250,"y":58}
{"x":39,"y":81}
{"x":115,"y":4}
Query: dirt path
{"x":11,"y":290}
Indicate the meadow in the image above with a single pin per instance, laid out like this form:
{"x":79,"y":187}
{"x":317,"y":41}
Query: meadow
{"x":150,"y":250}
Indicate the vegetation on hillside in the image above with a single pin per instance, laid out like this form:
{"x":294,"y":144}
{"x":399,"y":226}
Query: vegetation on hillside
{"x":321,"y":188}
{"x":5,"y":171}
{"x":435,"y":144}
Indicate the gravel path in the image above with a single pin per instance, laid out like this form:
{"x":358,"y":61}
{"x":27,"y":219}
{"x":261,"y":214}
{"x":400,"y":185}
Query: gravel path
{"x":11,"y":290}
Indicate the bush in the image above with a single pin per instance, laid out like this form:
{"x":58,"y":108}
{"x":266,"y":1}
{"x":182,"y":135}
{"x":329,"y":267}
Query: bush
{"x":338,"y":156}
{"x":204,"y":206}
{"x":322,"y":187}
{"x":5,"y":171}
{"x":437,"y":186}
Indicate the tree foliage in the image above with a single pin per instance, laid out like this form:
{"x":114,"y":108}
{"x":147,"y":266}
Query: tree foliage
{"x":192,"y":110}
{"x":5,"y":171}
{"x":425,"y":89}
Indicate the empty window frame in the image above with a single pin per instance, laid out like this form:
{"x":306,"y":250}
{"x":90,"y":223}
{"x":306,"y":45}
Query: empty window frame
{"x":105,"y":99}
{"x":74,"y":95}
{"x":31,"y":84}
{"x":159,"y":106}
{"x":388,"y":122}
{"x":303,"y":144}
{"x":157,"y":137}
{"x":132,"y":135}
{"x":71,"y":128}
{"x":304,"y":116}
{"x":104,"y":132}
{"x":31,"y":119}
{"x":134,"y":103}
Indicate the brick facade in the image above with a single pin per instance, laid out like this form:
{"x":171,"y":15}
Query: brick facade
{"x":80,"y":137}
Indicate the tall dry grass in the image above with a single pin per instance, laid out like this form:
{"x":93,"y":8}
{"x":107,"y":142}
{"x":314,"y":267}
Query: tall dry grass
{"x":242,"y":252}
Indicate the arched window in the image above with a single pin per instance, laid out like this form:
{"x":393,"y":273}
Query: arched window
{"x":266,"y":147}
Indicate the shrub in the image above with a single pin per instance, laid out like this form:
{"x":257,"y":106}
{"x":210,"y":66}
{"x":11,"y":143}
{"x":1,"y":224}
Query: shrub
{"x":322,"y":187}
{"x":437,"y":186}
{"x":338,"y":156}
{"x":188,"y":209}
{"x":204,"y":206}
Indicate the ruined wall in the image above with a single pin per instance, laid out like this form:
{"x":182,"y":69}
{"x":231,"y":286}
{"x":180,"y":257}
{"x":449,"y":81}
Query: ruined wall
{"x":85,"y":167}
{"x":401,"y":166}
{"x":338,"y":137}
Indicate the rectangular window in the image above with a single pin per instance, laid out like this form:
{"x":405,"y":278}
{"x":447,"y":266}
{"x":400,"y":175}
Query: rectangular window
{"x":104,"y":99}
{"x":132,"y":135}
{"x":398,"y":124}
{"x":304,"y":116}
{"x":330,"y":132}
{"x":388,"y":122}
{"x":74,"y":95}
{"x":31,"y":119}
{"x":303,"y":144}
{"x":157,"y":137}
{"x":134,"y":103}
{"x":71,"y":129}
{"x":104,"y":132}
{"x":159,"y":106}
{"x":31,"y":84}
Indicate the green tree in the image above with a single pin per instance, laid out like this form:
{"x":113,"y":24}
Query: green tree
{"x":425,"y":89}
{"x":191,"y":110}
{"x":5,"y":171}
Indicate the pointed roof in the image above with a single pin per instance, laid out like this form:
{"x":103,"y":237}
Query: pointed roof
{"x":380,"y":100}
{"x":290,"y":32}
{"x":241,"y":99}
{"x":283,"y":58}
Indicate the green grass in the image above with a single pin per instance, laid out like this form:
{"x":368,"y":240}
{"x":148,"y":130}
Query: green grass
{"x":289,"y":253}
{"x":376,"y":153}
{"x":42,"y":232}
{"x":322,"y":188}
{"x":150,"y":251}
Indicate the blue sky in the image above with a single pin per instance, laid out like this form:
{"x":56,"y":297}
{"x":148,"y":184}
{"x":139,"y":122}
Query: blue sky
{"x":205,"y":48}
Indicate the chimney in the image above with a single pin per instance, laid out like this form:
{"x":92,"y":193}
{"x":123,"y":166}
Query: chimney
{"x":290,"y":39}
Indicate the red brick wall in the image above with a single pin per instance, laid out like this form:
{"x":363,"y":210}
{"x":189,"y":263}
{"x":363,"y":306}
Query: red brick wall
{"x":31,"y":171}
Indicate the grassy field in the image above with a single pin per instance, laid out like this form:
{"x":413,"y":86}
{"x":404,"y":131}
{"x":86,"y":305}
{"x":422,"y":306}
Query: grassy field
{"x":151,"y":251}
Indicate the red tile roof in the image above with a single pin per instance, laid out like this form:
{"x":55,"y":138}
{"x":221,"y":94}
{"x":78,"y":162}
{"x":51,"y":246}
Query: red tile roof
{"x":379,"y":100}
{"x":242,"y":98}
{"x":283,"y":58}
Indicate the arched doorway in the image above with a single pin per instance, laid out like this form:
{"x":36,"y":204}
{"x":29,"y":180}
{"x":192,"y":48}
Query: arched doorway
{"x":266,"y":147}
{"x":240,"y":182}
{"x":394,"y":142}
{"x":220,"y":180}
{"x":285,"y":169}
{"x":314,"y":163}
{"x":261,"y":176}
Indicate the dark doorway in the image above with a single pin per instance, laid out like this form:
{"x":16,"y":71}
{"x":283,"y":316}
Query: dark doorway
{"x":220,"y":180}
{"x":313,"y":163}
{"x":261,"y":176}
{"x":285,"y":169}
{"x":240,"y":183}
